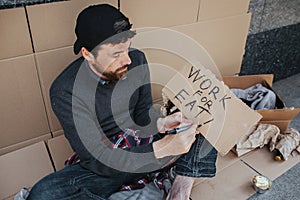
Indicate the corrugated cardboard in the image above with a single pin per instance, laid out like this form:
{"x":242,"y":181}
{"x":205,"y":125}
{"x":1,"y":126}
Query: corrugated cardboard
{"x":223,"y":118}
{"x":60,"y":151}
{"x":15,"y":38}
{"x":52,"y":25}
{"x":22,"y":111}
{"x":24,"y":143}
{"x":283,"y":125}
{"x":23,"y":168}
{"x":244,"y":82}
{"x":212,"y":9}
{"x":57,"y":133}
{"x":222,"y":163}
{"x":262,"y":160}
{"x":49,"y":65}
{"x":226,"y":161}
{"x":282,"y":115}
{"x":215,"y":36}
{"x":234,"y":182}
{"x":156,"y":13}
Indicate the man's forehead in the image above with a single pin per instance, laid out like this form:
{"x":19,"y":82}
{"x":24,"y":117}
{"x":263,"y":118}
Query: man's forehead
{"x":116,"y":47}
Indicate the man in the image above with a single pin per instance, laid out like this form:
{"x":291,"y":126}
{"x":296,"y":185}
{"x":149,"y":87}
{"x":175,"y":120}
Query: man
{"x":101,"y":99}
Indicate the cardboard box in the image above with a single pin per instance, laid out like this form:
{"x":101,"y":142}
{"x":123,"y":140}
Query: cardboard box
{"x":52,"y":25}
{"x":155,"y":13}
{"x":212,"y":9}
{"x":60,"y":150}
{"x":280,"y":116}
{"x":22,"y":111}
{"x":49,"y":65}
{"x":23,"y":168}
{"x":15,"y":38}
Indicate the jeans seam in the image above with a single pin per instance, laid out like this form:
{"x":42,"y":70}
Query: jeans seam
{"x":94,"y":196}
{"x":84,"y":190}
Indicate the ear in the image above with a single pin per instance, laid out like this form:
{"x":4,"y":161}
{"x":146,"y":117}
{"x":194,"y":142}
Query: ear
{"x":86,"y":54}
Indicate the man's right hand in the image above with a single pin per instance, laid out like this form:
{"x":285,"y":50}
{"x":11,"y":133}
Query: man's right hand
{"x":177,"y":144}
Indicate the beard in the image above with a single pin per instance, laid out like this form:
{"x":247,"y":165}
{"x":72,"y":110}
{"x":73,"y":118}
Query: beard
{"x":113,"y":76}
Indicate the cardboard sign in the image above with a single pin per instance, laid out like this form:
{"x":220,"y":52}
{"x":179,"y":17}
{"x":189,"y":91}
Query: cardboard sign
{"x":221,"y":117}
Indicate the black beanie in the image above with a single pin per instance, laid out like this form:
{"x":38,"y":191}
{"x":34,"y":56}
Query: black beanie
{"x":97,"y":23}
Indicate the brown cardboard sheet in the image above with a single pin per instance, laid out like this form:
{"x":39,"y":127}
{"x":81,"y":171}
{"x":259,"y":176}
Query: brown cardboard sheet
{"x":234,"y":182}
{"x":22,"y":111}
{"x":212,"y":9}
{"x":216,"y":36}
{"x":222,"y":163}
{"x":23,"y":168}
{"x":52,"y":25}
{"x":279,"y":114}
{"x":60,"y":151}
{"x":262,"y":160}
{"x":57,"y":133}
{"x":282,"y":124}
{"x":225,"y":161}
{"x":156,"y":13}
{"x":168,"y":47}
{"x":24,"y":143}
{"x":49,"y":65}
{"x":222,"y":118}
{"x":15,"y":38}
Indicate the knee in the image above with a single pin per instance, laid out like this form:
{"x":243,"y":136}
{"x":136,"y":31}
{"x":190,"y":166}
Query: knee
{"x":43,"y":189}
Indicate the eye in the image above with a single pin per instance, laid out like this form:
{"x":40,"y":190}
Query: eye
{"x":116,"y":55}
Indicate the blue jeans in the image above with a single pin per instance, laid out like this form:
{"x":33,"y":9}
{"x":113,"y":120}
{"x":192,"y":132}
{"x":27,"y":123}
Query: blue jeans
{"x":75,"y":182}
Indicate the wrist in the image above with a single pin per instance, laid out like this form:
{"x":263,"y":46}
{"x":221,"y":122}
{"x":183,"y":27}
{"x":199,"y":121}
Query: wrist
{"x":159,"y":148}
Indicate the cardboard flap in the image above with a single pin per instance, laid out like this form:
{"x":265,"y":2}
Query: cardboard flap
{"x":221,"y":117}
{"x":279,"y":114}
{"x":283,"y":125}
{"x":243,"y":82}
{"x":23,"y":168}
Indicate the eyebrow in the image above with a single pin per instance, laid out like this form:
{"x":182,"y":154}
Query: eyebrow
{"x":118,"y":52}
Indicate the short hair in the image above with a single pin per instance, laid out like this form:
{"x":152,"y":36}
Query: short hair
{"x":116,"y":39}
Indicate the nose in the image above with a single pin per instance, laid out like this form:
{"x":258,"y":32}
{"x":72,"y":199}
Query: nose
{"x":125,"y":60}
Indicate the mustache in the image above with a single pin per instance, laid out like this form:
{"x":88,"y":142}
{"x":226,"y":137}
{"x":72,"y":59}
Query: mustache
{"x":121,"y":68}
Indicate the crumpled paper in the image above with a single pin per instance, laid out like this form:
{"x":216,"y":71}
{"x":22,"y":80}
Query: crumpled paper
{"x":288,"y":142}
{"x":261,"y":136}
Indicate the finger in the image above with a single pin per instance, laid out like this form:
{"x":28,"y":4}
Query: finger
{"x":186,"y":123}
{"x":177,"y":116}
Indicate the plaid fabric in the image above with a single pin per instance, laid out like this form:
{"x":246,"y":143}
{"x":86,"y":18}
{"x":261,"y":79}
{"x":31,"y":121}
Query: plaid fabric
{"x":128,"y":139}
